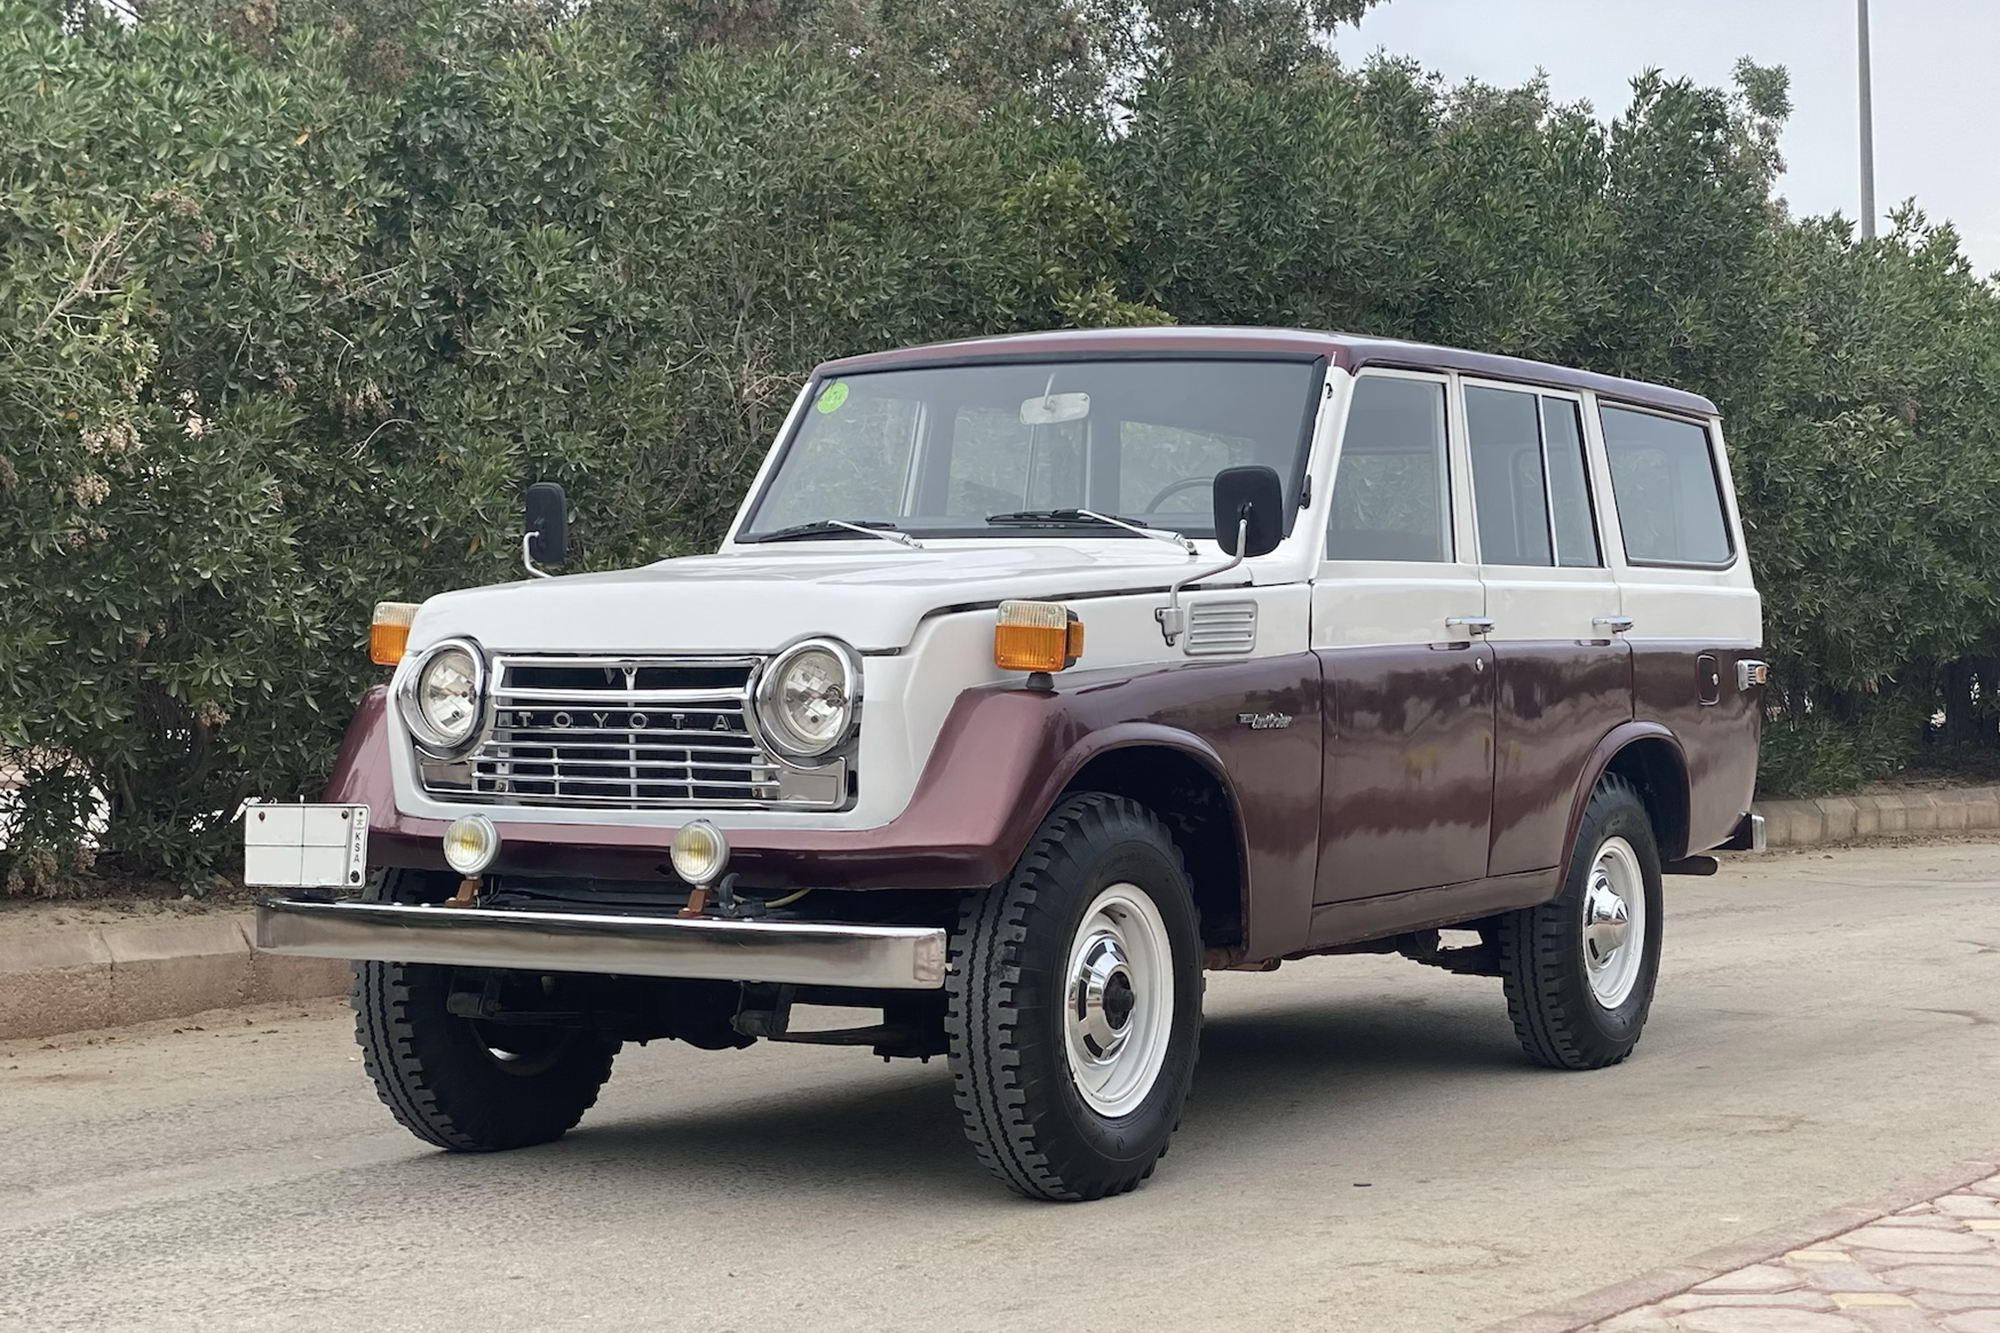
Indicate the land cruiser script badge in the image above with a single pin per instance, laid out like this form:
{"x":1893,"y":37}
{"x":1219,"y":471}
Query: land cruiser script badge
{"x":1265,"y":721}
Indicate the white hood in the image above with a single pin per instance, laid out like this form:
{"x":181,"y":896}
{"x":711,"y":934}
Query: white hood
{"x":742,"y":602}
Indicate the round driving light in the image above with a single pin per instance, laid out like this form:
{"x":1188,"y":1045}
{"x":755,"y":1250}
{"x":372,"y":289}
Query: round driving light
{"x":806,"y":699}
{"x":448,"y":694}
{"x":700,"y":853}
{"x":470,"y":844}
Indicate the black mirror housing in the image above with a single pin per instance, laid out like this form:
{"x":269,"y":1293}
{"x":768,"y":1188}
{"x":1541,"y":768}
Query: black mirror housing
{"x":547,"y":524}
{"x":1255,"y":494}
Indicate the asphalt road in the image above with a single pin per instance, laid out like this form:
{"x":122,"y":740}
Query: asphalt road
{"x":1366,"y":1149}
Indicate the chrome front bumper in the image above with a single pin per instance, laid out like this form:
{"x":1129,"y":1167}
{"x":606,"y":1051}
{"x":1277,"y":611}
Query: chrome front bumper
{"x":701,"y":948}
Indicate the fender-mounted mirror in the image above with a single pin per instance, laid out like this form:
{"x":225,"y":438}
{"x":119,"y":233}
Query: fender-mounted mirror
{"x":1250,"y":500}
{"x":547,"y":527}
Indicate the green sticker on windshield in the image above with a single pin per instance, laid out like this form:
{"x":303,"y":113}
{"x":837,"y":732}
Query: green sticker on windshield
{"x":832,"y":396}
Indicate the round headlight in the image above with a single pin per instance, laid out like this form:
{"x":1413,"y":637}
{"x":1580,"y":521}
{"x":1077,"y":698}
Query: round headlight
{"x":441,"y":698}
{"x":806,"y":698}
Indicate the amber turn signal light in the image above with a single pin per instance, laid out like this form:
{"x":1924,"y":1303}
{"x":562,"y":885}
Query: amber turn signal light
{"x":389,"y":632}
{"x":1036,"y":636}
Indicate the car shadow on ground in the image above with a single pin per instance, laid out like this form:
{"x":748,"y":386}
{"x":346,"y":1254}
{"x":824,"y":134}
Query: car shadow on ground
{"x":894,"y":1131}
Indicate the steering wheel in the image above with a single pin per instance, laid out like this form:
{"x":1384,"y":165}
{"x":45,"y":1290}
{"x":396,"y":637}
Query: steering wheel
{"x":1174,"y":488}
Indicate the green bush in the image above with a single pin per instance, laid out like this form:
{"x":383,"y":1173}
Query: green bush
{"x":278,"y":347}
{"x":294,"y":299}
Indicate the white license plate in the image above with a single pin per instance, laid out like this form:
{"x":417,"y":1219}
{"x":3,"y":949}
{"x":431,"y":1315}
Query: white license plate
{"x":305,"y":846}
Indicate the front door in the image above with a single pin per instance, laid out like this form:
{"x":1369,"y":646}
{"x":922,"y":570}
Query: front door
{"x":1563,"y":673}
{"x":1407,"y":683}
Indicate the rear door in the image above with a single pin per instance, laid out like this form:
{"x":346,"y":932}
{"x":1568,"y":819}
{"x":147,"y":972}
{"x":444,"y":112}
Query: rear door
{"x":1563,"y":673}
{"x":1695,"y":612}
{"x":1407,"y":685}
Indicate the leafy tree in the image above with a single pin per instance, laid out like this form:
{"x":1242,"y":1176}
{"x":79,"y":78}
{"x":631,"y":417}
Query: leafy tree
{"x":295,"y":296}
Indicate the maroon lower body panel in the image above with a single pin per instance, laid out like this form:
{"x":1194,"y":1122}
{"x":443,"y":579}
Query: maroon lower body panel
{"x":1002,"y":758}
{"x":1670,"y":681}
{"x":1555,"y":701}
{"x":1409,"y":768}
{"x":1421,"y":909}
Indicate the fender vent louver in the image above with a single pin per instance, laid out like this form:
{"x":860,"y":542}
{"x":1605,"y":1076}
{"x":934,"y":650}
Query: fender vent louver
{"x":1221,"y":629}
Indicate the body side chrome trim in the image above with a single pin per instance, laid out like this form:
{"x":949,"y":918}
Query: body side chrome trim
{"x":701,"y":948}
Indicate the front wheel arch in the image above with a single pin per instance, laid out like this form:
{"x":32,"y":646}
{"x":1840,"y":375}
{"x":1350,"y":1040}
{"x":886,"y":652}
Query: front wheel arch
{"x":1189,"y":793}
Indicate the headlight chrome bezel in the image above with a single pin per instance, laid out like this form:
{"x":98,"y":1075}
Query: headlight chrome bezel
{"x":766,"y":717}
{"x":409,"y":700}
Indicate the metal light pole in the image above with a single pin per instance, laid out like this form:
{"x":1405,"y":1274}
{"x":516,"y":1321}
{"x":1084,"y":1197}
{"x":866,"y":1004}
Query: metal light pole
{"x":1867,"y":131}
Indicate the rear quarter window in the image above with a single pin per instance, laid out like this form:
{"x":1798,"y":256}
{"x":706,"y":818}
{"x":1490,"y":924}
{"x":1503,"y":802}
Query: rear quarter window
{"x":1668,"y":493}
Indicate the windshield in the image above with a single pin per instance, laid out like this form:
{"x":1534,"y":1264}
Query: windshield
{"x":1018,"y":448}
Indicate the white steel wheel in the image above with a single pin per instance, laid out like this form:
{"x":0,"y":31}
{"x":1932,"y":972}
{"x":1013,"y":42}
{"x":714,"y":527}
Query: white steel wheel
{"x":1119,"y":1001}
{"x":1073,"y":1003}
{"x":1579,"y":970}
{"x":1614,"y":923}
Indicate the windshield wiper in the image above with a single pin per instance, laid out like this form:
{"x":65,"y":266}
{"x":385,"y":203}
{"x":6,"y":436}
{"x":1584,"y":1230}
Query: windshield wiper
{"x":1049,"y":518}
{"x":835,"y":527}
{"x":1059,"y":518}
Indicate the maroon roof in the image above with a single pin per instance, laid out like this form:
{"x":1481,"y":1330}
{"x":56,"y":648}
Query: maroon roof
{"x":1348,"y":351}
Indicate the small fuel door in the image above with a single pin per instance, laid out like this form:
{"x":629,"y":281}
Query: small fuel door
{"x":1708,"y":678}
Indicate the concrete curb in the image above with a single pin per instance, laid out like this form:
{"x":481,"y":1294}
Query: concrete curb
{"x":1662,"y":1283}
{"x":1835,"y":819}
{"x":108,"y":976}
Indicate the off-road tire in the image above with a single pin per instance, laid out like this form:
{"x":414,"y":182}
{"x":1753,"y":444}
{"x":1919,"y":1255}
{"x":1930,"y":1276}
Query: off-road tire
{"x":436,"y":1073}
{"x":1559,"y":1020}
{"x":1005,"y":996}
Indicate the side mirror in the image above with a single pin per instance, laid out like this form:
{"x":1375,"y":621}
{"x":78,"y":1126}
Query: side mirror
{"x":547,"y":525}
{"x":1254,"y":494}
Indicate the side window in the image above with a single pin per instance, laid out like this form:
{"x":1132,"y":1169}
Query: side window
{"x":1569,"y":485}
{"x":1665,"y":484}
{"x":1509,"y":494}
{"x":1530,"y":484}
{"x":1392,"y":496}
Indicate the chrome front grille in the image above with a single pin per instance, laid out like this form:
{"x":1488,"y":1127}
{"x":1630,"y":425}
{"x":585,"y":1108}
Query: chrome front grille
{"x":625,"y":734}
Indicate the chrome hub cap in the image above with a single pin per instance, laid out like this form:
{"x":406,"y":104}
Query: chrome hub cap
{"x":1119,"y":1000}
{"x":1101,"y":997}
{"x":1614,"y":923}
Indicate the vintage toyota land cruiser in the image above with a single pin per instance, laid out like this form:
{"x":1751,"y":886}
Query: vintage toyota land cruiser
{"x":1035,"y":676}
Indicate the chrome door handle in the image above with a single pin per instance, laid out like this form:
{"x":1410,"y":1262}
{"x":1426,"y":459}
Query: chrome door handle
{"x":1472,"y":625}
{"x":1616,"y":624}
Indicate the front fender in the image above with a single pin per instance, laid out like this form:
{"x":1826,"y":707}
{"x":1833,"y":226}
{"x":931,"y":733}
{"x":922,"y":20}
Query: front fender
{"x":1002,"y":758}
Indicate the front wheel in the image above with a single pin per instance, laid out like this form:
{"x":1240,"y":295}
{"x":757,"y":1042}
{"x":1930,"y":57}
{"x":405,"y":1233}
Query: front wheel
{"x":1579,"y":971}
{"x":463,"y":1083}
{"x":1074,"y":1004}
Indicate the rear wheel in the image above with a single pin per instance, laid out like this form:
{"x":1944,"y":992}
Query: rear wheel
{"x":1074,"y":1004}
{"x":1579,"y":971}
{"x":464,"y":1083}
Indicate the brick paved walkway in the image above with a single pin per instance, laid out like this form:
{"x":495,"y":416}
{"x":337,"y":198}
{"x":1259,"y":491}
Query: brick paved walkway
{"x":1924,"y":1259}
{"x":1928,"y":1268}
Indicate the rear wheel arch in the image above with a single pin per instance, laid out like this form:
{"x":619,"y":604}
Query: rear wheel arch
{"x":1650,"y":760}
{"x":1187,"y":790}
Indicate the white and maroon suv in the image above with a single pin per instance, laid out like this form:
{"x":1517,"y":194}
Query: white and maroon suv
{"x":1035,"y":676}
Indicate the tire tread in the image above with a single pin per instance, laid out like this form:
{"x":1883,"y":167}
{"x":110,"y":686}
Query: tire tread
{"x":1537,"y":968}
{"x":983,"y":983}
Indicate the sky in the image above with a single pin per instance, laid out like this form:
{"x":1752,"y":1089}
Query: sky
{"x":1936,"y":82}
